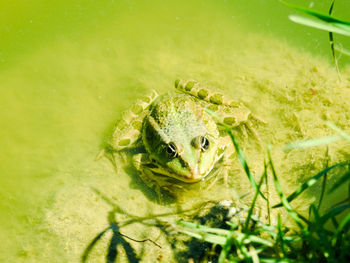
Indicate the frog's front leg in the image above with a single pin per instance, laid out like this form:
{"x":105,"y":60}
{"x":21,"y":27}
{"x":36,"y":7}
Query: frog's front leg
{"x":228,"y":157}
{"x":240,"y":117}
{"x":127,"y":132}
{"x":141,"y":162}
{"x":233,"y":113}
{"x":160,"y":184}
{"x":128,"y":129}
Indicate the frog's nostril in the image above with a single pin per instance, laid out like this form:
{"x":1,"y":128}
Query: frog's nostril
{"x":196,"y":143}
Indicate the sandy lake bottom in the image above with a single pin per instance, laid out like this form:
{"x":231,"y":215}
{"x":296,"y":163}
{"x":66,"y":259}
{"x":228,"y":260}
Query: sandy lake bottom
{"x":62,"y":100}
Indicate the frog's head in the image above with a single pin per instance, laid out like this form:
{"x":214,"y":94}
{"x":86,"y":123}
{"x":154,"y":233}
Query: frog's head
{"x":181,"y":138}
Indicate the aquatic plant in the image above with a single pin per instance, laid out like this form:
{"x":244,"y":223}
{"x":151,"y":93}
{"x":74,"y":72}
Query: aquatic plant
{"x":319,"y":20}
{"x":311,"y":241}
{"x":322,"y":21}
{"x":251,"y":239}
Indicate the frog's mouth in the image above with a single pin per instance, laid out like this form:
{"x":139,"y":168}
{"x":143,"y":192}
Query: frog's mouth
{"x":194,"y":176}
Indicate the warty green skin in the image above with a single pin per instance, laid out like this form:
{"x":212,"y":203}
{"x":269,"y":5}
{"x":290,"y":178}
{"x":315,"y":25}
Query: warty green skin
{"x":179,"y":119}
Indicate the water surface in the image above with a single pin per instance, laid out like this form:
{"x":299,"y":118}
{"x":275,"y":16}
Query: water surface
{"x":69,"y":69}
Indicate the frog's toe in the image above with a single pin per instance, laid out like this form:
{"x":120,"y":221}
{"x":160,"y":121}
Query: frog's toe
{"x":252,"y":130}
{"x":225,"y":176}
{"x":211,"y":183}
{"x":101,"y":154}
{"x":258,"y":118}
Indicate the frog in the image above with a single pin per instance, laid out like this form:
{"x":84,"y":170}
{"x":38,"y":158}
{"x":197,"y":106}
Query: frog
{"x":178,"y":138}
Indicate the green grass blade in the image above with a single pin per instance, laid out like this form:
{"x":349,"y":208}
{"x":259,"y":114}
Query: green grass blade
{"x":333,"y":212}
{"x":317,"y":226}
{"x":319,"y":20}
{"x":212,"y":235}
{"x":335,"y":222}
{"x":343,"y":227}
{"x":323,"y":190}
{"x":319,"y":15}
{"x":202,"y":228}
{"x":311,"y":182}
{"x":239,"y":153}
{"x":254,"y":254}
{"x":338,"y":130}
{"x":250,"y":212}
{"x":342,"y":50}
{"x":278,"y":187}
{"x":331,"y":42}
{"x":268,"y":195}
{"x":275,"y":260}
{"x":331,"y":8}
{"x":258,"y":240}
{"x":225,"y":250}
{"x":324,"y":181}
{"x":311,"y":143}
{"x":266,"y":229}
{"x":210,"y":238}
{"x":341,"y":181}
{"x":319,"y":24}
{"x":319,"y":141}
{"x":244,"y":162}
{"x":280,"y":235}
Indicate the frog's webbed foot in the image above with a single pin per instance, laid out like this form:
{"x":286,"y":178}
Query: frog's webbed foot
{"x":241,"y":118}
{"x":100,"y":155}
{"x":140,"y":162}
{"x":226,"y":166}
{"x":258,"y":118}
{"x":113,"y":157}
{"x":238,"y":116}
{"x":248,"y":126}
{"x":162,"y":188}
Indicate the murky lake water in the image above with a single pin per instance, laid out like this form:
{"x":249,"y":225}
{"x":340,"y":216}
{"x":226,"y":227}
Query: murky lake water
{"x":68,"y":70}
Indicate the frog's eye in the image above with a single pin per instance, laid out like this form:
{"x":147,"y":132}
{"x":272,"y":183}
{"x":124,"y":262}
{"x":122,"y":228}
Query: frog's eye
{"x":204,"y":143}
{"x":171,"y":150}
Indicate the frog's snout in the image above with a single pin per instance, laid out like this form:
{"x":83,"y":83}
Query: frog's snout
{"x":196,"y":174}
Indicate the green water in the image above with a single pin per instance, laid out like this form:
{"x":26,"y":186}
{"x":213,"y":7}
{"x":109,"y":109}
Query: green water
{"x":68,"y":69}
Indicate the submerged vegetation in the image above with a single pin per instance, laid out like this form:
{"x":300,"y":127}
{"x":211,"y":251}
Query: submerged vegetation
{"x":325,"y":22}
{"x":313,"y":239}
{"x":319,"y":20}
{"x":322,"y":237}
